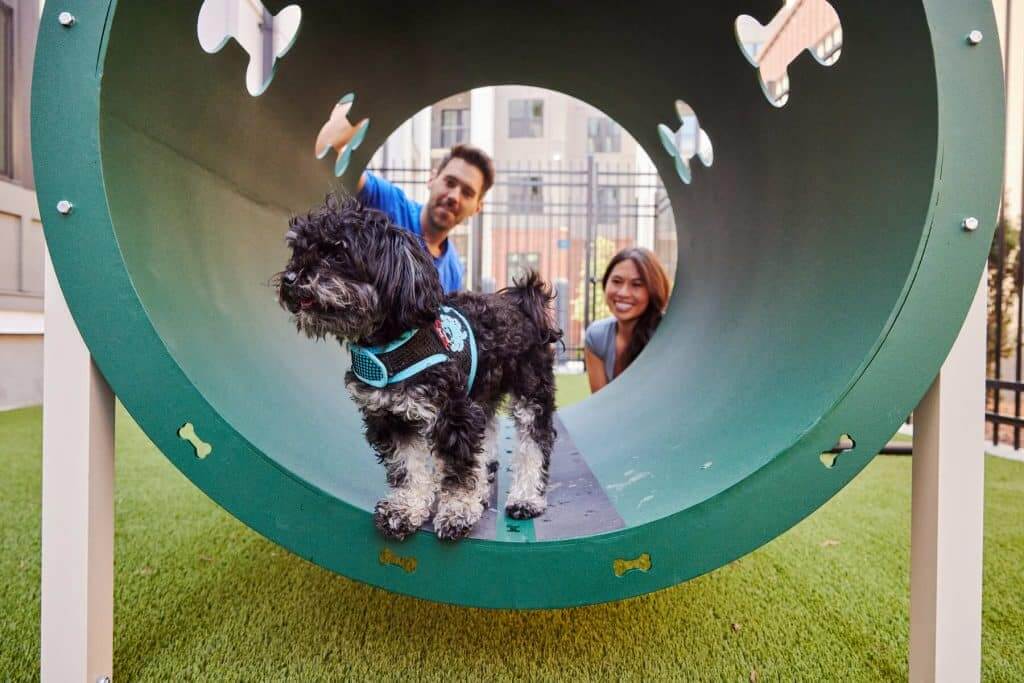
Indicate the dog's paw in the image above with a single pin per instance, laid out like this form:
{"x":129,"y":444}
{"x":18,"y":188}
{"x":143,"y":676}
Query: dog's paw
{"x":393,"y":522}
{"x":526,"y":509}
{"x":456,"y":517}
{"x":452,"y":529}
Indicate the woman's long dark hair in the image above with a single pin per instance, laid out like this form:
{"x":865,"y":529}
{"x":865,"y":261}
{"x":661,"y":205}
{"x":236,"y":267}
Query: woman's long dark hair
{"x":656,"y":282}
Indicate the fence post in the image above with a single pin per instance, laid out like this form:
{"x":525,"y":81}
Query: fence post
{"x":588,"y":284}
{"x":477,"y":267}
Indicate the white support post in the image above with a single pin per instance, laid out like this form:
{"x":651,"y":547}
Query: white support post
{"x":78,"y":503}
{"x":947,"y":511}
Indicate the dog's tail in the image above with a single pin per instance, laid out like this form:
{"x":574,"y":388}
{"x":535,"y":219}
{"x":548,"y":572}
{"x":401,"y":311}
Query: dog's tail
{"x":534,"y":297}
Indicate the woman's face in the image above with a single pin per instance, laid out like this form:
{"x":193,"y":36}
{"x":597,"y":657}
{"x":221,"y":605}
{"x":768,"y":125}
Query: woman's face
{"x":626,"y":294}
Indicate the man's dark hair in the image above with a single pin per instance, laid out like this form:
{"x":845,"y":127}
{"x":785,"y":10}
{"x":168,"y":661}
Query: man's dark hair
{"x":474,"y":156}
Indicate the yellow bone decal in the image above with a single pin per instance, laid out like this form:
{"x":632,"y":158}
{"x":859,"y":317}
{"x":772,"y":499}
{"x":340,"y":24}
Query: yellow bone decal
{"x":188,"y":433}
{"x":642,"y":563}
{"x":406,"y":563}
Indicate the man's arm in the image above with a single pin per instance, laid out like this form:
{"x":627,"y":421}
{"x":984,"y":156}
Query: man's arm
{"x":376,"y":192}
{"x":337,"y":132}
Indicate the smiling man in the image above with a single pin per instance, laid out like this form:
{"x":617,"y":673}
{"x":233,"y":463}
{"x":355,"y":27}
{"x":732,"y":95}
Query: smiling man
{"x":457,"y":192}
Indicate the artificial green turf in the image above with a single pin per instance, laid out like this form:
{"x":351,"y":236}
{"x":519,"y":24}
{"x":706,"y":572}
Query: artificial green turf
{"x":201,"y":597}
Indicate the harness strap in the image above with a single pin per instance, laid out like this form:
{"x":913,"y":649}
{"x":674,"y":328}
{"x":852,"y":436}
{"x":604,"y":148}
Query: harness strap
{"x":450,"y":338}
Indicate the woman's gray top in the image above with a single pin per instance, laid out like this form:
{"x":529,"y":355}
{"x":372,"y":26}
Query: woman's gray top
{"x":600,"y":339}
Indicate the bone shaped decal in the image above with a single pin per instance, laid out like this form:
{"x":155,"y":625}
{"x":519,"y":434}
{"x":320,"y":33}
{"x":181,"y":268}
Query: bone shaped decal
{"x":266,"y":37}
{"x":688,"y":142}
{"x":811,"y":25}
{"x":642,"y":563}
{"x":387,"y":557}
{"x":339,"y":134}
{"x":845,"y":444}
{"x":188,"y":433}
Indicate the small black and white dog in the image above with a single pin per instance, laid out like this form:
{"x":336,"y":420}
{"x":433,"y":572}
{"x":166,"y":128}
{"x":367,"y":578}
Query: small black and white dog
{"x":427,"y":394}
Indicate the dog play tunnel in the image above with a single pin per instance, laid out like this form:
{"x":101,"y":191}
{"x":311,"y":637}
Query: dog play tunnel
{"x":824,"y":264}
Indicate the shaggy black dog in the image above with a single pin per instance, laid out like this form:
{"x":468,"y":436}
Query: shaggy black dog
{"x":354,"y":276}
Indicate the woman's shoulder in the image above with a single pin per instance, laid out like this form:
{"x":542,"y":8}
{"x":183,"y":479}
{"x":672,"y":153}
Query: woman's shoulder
{"x":602,"y":324}
{"x":599,"y":333}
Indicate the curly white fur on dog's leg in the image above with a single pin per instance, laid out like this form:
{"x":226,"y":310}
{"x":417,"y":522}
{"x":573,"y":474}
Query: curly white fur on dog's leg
{"x":458,"y":510}
{"x":408,"y":506}
{"x":491,"y":454}
{"x":526,"y":498}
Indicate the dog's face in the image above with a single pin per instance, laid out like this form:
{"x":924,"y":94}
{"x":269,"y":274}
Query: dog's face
{"x":354,"y":276}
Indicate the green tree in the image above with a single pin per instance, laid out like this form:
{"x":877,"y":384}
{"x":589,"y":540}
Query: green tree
{"x":604,"y":250}
{"x":1011,"y":290}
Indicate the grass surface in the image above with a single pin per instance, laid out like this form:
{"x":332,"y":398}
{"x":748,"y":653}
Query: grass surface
{"x":201,"y":597}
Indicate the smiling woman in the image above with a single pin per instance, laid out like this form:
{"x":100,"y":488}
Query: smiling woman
{"x":636,"y":291}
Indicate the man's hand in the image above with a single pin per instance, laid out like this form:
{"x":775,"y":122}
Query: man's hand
{"x":337,"y":131}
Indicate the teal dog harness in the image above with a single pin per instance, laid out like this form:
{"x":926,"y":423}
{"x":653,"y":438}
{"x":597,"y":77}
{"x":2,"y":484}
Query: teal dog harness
{"x":449,"y":339}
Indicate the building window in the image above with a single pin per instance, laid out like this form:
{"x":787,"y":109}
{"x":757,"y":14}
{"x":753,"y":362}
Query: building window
{"x":603,"y":135}
{"x":6,"y":84}
{"x":520,"y":262}
{"x":526,"y":118}
{"x":454,"y":127}
{"x":525,"y":194}
{"x":607,"y":205}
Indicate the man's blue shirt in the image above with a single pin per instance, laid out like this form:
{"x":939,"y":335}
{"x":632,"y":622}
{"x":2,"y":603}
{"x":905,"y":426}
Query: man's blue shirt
{"x":378,"y":193}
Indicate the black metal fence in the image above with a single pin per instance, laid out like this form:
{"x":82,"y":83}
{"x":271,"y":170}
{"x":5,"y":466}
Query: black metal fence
{"x":1005,"y":353}
{"x":565,"y":220}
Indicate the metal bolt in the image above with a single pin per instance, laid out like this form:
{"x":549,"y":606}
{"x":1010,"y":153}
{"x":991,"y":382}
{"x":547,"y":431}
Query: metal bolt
{"x":971,"y":224}
{"x":64,"y":207}
{"x":975,"y":37}
{"x":66,"y":19}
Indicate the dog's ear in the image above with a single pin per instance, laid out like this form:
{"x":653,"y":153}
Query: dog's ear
{"x":406,"y":281}
{"x":297,"y":236}
{"x":332,"y":203}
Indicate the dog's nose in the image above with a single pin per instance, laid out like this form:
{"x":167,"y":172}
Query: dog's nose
{"x":290,"y":277}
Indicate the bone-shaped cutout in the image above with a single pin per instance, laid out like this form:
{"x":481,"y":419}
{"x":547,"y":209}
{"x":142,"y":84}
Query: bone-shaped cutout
{"x":642,"y":564}
{"x":811,"y":25}
{"x":188,"y":433}
{"x":387,"y":557}
{"x":266,"y":37}
{"x":690,"y":141}
{"x":340,"y":135}
{"x":845,"y":444}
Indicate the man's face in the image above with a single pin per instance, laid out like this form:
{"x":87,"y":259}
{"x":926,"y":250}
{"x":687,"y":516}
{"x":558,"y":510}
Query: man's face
{"x":456,"y":193}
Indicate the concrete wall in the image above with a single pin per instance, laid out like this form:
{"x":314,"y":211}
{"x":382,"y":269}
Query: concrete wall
{"x":21,"y":357}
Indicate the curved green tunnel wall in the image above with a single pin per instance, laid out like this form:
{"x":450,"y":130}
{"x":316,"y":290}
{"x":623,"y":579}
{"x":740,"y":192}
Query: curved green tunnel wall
{"x":823,"y":271}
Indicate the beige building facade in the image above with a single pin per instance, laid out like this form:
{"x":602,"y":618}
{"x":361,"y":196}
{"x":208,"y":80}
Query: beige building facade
{"x":22,"y":247}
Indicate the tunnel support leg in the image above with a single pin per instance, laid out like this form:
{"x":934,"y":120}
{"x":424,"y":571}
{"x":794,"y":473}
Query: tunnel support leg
{"x":77,"y":584}
{"x":947,"y":511}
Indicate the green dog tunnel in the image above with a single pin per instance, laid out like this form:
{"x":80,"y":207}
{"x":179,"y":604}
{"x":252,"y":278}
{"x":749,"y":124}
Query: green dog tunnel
{"x":824,"y":264}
